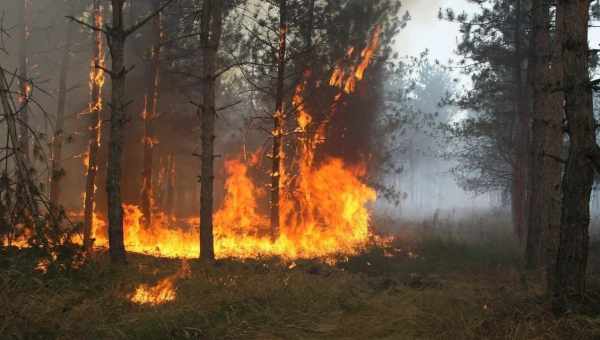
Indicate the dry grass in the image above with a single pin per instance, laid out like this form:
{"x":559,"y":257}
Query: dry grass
{"x":435,"y":287}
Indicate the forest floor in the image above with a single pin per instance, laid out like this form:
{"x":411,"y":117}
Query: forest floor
{"x":421,"y":287}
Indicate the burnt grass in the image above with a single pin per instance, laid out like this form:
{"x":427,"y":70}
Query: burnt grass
{"x":433,"y":286}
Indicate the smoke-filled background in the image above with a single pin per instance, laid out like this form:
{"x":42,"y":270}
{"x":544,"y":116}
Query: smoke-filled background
{"x":394,"y":123}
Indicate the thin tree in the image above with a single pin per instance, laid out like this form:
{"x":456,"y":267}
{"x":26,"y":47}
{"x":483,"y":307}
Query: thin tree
{"x":278,"y":122}
{"x":150,"y":112}
{"x":24,"y":34}
{"x":210,"y":36}
{"x":520,"y":131}
{"x":57,"y":171}
{"x":94,"y":125}
{"x":116,"y":35}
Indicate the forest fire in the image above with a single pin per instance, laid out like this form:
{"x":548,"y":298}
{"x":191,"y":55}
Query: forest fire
{"x":326,"y":215}
{"x":163,"y":291}
{"x":323,"y":206}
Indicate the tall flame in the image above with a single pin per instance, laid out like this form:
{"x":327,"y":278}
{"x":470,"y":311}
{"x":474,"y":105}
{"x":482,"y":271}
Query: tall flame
{"x":323,"y":208}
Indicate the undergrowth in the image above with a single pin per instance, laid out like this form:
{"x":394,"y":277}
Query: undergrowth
{"x":425,"y":285}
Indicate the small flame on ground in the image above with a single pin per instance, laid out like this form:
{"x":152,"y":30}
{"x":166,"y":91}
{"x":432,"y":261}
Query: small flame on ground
{"x":162,"y":292}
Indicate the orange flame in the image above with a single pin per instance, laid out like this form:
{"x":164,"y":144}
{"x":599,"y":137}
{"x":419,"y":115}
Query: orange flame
{"x":324,"y":206}
{"x":163,"y":291}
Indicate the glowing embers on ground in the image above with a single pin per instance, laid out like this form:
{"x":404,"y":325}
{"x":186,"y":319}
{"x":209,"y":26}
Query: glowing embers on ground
{"x":162,"y":292}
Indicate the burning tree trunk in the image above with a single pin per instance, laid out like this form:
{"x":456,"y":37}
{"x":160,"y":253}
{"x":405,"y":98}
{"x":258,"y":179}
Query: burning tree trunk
{"x":57,"y":143}
{"x":94,"y":127}
{"x":24,"y":32}
{"x":210,"y":37}
{"x":569,"y":281}
{"x":278,"y":121}
{"x":116,"y":42}
{"x":116,"y":35}
{"x":149,"y":115}
{"x":520,"y":134}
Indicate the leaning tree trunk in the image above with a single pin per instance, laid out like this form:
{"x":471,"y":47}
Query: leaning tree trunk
{"x":149,"y":115}
{"x":569,"y":281}
{"x":57,"y":171}
{"x":278,"y":120}
{"x":116,"y":39}
{"x":94,"y":127}
{"x":209,"y":39}
{"x":520,"y":134}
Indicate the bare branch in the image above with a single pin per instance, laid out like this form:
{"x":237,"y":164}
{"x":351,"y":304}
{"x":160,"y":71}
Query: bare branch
{"x":141,"y":23}
{"x":83,"y":23}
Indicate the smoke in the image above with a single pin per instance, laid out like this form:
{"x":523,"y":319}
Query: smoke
{"x":427,"y":31}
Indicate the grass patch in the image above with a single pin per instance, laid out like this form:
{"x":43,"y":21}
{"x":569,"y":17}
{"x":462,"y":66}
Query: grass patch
{"x":434,"y":286}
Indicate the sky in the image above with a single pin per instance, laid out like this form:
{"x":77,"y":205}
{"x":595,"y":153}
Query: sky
{"x":426,"y":31}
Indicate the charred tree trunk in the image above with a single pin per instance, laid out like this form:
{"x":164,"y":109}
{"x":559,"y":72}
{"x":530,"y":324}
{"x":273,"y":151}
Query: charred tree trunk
{"x":278,"y":121}
{"x":57,"y":171}
{"x":569,"y":282}
{"x":209,"y":38}
{"x":149,"y":115}
{"x":520,"y":134}
{"x":116,"y":42}
{"x":94,"y":127}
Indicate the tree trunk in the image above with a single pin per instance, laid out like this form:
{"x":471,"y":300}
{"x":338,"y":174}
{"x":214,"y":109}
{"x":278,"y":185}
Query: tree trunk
{"x":149,"y":115}
{"x":545,"y":175}
{"x":278,"y":121}
{"x":24,"y":32}
{"x":520,"y":134}
{"x":209,"y":38}
{"x":94,"y":127}
{"x":170,"y":185}
{"x":552,"y":166}
{"x":116,"y":38}
{"x":57,"y":171}
{"x":569,"y":284}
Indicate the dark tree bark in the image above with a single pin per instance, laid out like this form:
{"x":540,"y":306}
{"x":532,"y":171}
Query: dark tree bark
{"x":57,"y":171}
{"x":552,"y":166}
{"x":94,"y":127}
{"x":520,"y":133}
{"x":278,"y":121}
{"x":545,"y":175}
{"x":572,"y":257}
{"x":149,"y":114}
{"x":116,"y":43}
{"x":209,"y":38}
